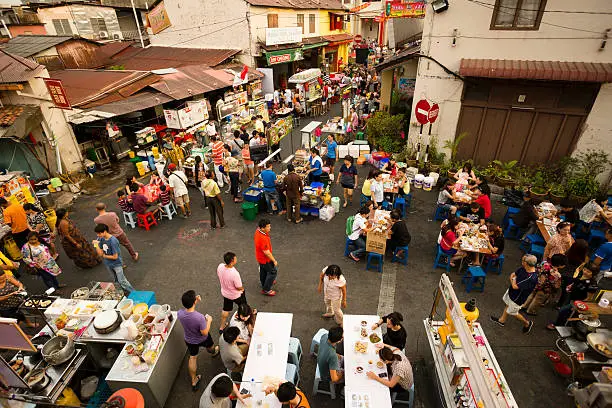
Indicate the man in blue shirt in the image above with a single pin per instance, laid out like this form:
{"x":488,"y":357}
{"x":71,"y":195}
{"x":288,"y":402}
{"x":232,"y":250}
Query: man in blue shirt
{"x":329,"y":362}
{"x":332,"y":153}
{"x":108,"y":248}
{"x":270,"y":193}
{"x":603,"y":255}
{"x":316,"y":165}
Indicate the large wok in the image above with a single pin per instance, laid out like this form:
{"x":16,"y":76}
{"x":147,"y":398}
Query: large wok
{"x":601,"y":343}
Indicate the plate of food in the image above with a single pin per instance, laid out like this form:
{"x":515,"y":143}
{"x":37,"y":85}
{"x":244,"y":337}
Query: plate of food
{"x":359,"y":369}
{"x":364,"y":323}
{"x":380,"y":364}
{"x":374,"y":338}
{"x":364,"y":333}
{"x":361,"y":347}
{"x":581,"y":306}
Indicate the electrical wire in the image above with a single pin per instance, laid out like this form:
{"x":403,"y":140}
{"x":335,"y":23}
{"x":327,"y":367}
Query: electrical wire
{"x":545,"y":11}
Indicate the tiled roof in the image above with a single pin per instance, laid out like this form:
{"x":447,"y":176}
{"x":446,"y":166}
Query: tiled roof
{"x":28,"y":45}
{"x":542,"y":70}
{"x":299,"y":4}
{"x":14,"y":68}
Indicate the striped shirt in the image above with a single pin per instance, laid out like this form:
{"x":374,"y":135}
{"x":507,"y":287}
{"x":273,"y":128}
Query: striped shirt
{"x":217,"y":152}
{"x":125,"y":205}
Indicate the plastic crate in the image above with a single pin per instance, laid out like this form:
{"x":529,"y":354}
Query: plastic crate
{"x":252,"y":198}
{"x":316,"y":184}
{"x":103,"y":392}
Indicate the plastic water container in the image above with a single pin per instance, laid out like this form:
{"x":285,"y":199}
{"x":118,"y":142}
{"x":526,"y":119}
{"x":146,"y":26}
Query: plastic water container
{"x":418,"y":180}
{"x":335,"y":202}
{"x":435,"y":176}
{"x":155,"y":151}
{"x":427,"y":183}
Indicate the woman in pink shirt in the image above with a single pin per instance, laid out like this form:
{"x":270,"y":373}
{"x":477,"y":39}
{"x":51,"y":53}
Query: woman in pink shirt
{"x":231,"y":286}
{"x":450,"y":241}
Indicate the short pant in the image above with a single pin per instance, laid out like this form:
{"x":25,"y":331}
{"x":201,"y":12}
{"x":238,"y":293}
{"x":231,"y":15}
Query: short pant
{"x":195,"y":348}
{"x":228,"y":304}
{"x":182,"y":200}
{"x":513,"y":309}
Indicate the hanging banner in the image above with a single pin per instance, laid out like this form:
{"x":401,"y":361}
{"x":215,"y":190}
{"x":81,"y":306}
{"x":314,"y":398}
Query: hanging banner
{"x":158,"y":18}
{"x":57,"y":92}
{"x":359,"y":7}
{"x":405,"y":10}
{"x":279,"y":57}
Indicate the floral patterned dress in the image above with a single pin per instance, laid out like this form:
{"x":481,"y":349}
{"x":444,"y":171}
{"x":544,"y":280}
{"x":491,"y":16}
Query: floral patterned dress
{"x":38,"y":256}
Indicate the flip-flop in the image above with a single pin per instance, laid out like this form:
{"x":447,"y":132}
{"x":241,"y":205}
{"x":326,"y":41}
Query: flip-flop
{"x":194,"y":387}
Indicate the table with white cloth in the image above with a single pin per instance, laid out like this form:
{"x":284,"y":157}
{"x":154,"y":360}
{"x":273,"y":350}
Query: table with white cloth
{"x":360,"y":391}
{"x":267,"y":358}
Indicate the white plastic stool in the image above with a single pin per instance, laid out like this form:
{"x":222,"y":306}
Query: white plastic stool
{"x":295,"y":351}
{"x":129,"y":218}
{"x":317,"y":381}
{"x":168,"y":210}
{"x":292,"y":374}
{"x":314,"y":346}
{"x":410,"y":401}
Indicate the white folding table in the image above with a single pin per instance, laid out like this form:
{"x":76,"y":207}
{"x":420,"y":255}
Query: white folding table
{"x":358,"y":387}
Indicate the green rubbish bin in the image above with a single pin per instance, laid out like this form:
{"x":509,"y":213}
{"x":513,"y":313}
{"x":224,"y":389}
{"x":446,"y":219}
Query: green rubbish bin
{"x":249,"y":210}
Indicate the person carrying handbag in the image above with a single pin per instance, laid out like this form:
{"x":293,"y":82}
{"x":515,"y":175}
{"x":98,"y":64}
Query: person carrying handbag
{"x":37,"y":256}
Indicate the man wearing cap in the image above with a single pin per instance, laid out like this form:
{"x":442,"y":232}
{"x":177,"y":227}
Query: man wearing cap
{"x":178,"y":181}
{"x":522,"y":283}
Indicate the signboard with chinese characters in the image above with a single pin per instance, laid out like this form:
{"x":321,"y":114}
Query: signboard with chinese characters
{"x":285,"y":35}
{"x":57,"y":92}
{"x":172,"y":119}
{"x":279,"y":57}
{"x":410,"y":10}
{"x":158,"y":18}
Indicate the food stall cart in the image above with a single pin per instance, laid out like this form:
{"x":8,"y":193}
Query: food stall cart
{"x":307,"y":84}
{"x":309,"y":138}
{"x":232,"y":113}
{"x":468,"y":375}
{"x":337,"y":127}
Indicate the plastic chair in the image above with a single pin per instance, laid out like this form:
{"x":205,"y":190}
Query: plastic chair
{"x":401,"y":204}
{"x":441,"y":213}
{"x":474,"y":279}
{"x":408,"y":402}
{"x":294,"y":355}
{"x":538,"y":251}
{"x":314,"y":345}
{"x":372,"y":256}
{"x":408,"y":198}
{"x":386,"y":205}
{"x":530,"y":239}
{"x":438,"y":262}
{"x":128,"y":219}
{"x":599,"y":236}
{"x":401,"y":259}
{"x":168,"y":211}
{"x":363,"y":199}
{"x":494,"y":264}
{"x":347,"y":246}
{"x":146,"y":220}
{"x":317,"y":382}
{"x":292,"y":374}
{"x":509,"y":212}
{"x":512,"y":231}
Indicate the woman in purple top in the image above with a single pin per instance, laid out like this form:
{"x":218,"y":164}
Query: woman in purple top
{"x":196,"y":327}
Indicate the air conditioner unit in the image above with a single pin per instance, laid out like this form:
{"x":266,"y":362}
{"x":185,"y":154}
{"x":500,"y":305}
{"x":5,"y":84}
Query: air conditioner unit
{"x":116,"y":37}
{"x":103,"y":34}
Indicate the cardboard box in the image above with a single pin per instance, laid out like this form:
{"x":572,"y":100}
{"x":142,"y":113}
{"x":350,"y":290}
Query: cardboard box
{"x":376,"y":242}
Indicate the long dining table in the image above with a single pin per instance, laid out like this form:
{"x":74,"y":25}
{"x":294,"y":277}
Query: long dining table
{"x":267,"y":358}
{"x":361,"y":356}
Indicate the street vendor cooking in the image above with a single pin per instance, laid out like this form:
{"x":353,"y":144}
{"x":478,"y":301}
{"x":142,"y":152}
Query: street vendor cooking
{"x":316,"y":165}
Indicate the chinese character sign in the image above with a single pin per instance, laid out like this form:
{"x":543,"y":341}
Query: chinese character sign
{"x":57,"y":93}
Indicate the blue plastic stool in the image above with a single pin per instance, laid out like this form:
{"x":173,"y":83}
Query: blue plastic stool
{"x":378,"y":265}
{"x":294,"y":355}
{"x":347,"y":246}
{"x":292,"y":374}
{"x":408,"y":198}
{"x":494,"y":264}
{"x":410,"y":400}
{"x":438,"y":262}
{"x":474,"y":279}
{"x":538,"y":251}
{"x":401,"y":259}
{"x":401,"y":204}
{"x":363,"y":199}
{"x":143,"y":296}
{"x":597,"y":236}
{"x":529,"y":240}
{"x":441,"y":213}
{"x":386,"y":205}
{"x":512,"y":230}
{"x":314,"y":345}
{"x":509,"y":212}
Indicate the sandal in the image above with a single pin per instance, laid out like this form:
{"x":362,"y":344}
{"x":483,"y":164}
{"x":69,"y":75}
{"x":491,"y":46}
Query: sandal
{"x":194,"y":387}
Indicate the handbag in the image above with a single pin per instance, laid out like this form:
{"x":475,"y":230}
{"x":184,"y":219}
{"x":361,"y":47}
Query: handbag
{"x":27,"y":268}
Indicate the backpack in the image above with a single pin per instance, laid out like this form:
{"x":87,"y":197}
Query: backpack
{"x":349,"y":225}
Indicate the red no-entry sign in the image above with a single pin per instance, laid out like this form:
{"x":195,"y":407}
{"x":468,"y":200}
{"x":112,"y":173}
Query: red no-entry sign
{"x":433,"y":113}
{"x":421,"y":111}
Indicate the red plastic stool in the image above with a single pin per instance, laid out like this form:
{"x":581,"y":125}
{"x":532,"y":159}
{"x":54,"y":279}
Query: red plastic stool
{"x":146,"y":220}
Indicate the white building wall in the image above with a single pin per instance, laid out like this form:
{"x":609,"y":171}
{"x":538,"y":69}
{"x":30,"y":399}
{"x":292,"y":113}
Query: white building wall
{"x":475,"y":40}
{"x":206,"y":24}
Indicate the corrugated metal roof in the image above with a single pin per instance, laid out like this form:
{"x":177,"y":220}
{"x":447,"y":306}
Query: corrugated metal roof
{"x":134,"y":103}
{"x":299,"y":4}
{"x":542,"y":70}
{"x":28,"y":45}
{"x":14,"y":68}
{"x":146,"y":59}
{"x":193,"y":80}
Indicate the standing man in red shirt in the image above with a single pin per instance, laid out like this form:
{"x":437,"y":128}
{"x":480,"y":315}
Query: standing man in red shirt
{"x":217,"y":156}
{"x":265,"y":259}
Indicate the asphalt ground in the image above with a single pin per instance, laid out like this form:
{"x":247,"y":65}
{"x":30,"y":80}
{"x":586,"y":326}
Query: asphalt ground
{"x":183,"y":254}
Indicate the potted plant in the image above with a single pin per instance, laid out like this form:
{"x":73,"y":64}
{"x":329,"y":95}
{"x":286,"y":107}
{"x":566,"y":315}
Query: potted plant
{"x":488,"y":173}
{"x":557,"y":192}
{"x":582,"y":184}
{"x":582,"y":187}
{"x":539,"y":183}
{"x":504,"y":171}
{"x":435,"y":157}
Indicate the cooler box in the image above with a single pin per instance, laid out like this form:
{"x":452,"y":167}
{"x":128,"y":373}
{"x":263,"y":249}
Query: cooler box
{"x":252,"y":194}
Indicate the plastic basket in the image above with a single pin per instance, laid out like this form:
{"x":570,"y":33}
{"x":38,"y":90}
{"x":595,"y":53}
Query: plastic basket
{"x":251,"y":198}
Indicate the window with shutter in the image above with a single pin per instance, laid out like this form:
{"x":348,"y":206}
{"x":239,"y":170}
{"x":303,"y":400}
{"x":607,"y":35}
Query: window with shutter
{"x":98,"y":25}
{"x":517,"y":14}
{"x":62,"y":26}
{"x":312,"y":23}
{"x":272,"y":20}
{"x":300,"y":21}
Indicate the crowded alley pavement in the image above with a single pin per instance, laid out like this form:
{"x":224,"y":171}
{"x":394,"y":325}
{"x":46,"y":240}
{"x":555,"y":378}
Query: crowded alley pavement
{"x":183,"y":254}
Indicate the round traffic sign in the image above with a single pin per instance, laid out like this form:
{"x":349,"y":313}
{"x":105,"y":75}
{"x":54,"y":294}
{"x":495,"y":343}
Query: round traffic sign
{"x":433,"y":113}
{"x":358,"y":38}
{"x":421,"y":111}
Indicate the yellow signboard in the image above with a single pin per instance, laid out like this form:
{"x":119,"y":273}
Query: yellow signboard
{"x":158,"y":18}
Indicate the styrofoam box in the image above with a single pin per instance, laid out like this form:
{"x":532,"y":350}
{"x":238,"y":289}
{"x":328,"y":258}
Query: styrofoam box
{"x":353,"y":151}
{"x":343,"y":150}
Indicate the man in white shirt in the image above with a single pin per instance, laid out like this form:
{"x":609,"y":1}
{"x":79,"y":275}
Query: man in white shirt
{"x":357,"y":236}
{"x":178,"y":182}
{"x":210,"y":129}
{"x":276,"y":97}
{"x":288,"y":97}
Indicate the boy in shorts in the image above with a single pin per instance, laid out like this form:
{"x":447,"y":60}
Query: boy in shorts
{"x":196,"y":327}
